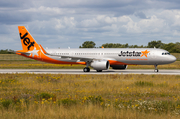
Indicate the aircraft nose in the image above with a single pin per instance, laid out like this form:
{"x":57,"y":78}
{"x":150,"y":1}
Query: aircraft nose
{"x":172,"y":58}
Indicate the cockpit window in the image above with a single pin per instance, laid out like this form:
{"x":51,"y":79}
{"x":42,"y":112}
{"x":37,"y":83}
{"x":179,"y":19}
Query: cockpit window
{"x":165,"y":53}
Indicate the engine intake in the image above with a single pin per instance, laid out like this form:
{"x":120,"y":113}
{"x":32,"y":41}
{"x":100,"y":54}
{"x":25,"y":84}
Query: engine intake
{"x":119,"y":66}
{"x":100,"y":65}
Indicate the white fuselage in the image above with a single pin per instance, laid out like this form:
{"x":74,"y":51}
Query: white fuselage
{"x":124,"y":55}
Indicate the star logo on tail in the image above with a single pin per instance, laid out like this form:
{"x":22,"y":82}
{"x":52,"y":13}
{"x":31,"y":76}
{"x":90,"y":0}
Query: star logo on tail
{"x":144,"y":53}
{"x":34,"y":52}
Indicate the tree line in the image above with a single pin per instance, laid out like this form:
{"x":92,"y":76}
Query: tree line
{"x":7,"y":51}
{"x":171,"y":47}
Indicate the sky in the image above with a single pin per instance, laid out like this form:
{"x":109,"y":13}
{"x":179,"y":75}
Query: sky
{"x":69,"y":23}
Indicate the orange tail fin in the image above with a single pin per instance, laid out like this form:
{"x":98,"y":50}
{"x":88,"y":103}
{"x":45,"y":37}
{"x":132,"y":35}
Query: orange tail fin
{"x":27,"y":41}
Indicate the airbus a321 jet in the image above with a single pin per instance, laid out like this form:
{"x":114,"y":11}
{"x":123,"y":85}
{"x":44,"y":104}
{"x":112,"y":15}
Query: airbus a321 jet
{"x":97,"y":58}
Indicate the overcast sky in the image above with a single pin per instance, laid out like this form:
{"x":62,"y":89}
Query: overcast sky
{"x":68,"y":23}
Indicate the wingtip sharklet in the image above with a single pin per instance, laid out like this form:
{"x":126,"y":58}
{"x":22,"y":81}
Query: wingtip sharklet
{"x":43,"y":49}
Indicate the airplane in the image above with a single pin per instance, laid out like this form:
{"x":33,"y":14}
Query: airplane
{"x":97,"y":58}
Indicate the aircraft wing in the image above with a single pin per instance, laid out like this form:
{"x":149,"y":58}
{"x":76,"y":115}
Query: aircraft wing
{"x":75,"y":58}
{"x":80,"y":58}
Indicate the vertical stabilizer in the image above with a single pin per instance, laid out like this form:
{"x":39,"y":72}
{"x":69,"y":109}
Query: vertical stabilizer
{"x":27,"y":41}
{"x":30,"y":47}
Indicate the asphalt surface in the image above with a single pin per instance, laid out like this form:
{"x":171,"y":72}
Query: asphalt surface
{"x":80,"y":71}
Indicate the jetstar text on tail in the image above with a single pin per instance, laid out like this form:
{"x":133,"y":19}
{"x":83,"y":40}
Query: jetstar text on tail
{"x":26,"y":40}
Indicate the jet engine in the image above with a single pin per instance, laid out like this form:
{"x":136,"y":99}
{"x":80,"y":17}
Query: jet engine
{"x":119,"y":66}
{"x":100,"y":65}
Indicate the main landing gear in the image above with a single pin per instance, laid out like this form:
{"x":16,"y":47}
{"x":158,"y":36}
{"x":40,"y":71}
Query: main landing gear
{"x":87,"y":69}
{"x":156,"y":69}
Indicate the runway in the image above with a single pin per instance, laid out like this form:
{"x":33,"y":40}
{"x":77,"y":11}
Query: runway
{"x":80,"y":71}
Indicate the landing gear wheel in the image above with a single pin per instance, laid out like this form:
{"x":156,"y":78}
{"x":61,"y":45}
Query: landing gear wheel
{"x":86,"y":69}
{"x":156,"y":69}
{"x":99,"y":70}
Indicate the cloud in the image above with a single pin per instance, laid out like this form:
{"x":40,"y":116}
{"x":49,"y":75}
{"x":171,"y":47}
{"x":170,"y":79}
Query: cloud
{"x":59,"y":23}
{"x":15,"y":4}
{"x":140,"y":15}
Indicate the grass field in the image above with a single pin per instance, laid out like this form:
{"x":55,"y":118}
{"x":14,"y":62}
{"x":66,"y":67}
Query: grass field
{"x":89,"y":96}
{"x":86,"y":96}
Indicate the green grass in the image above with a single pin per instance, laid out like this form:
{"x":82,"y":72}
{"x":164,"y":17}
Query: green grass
{"x":12,"y":57}
{"x":89,"y":96}
{"x":144,"y":83}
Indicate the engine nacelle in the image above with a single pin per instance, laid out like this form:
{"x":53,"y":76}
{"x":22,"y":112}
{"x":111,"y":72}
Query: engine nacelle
{"x":119,"y":66}
{"x":100,"y":65}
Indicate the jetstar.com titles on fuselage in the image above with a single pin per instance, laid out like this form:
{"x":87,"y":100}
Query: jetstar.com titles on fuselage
{"x":129,"y":54}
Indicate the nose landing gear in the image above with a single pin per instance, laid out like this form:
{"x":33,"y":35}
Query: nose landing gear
{"x":156,"y":69}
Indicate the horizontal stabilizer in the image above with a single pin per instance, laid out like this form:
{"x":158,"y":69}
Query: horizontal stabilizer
{"x":23,"y":52}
